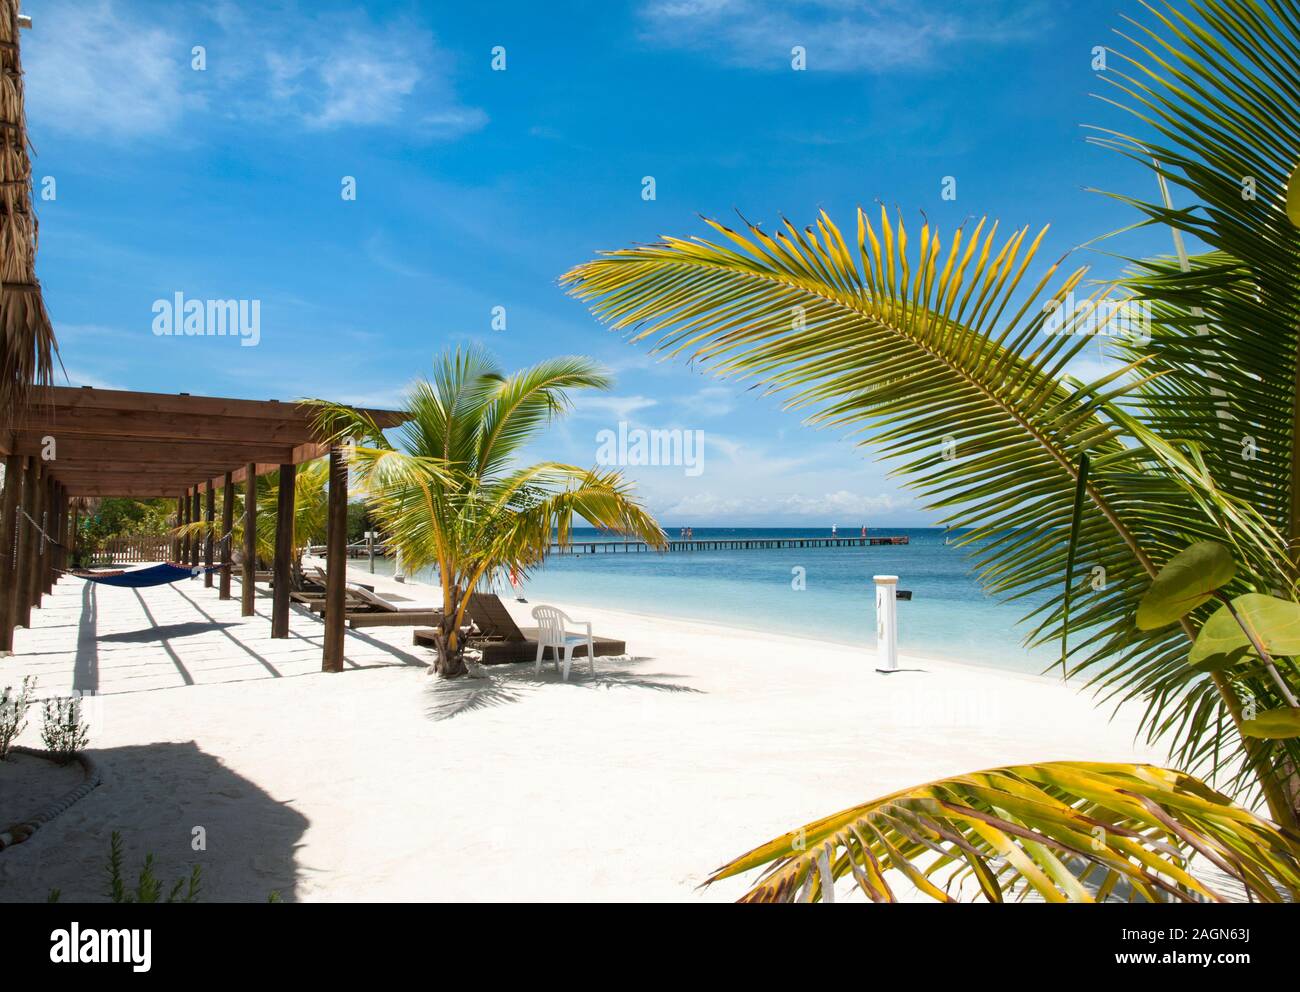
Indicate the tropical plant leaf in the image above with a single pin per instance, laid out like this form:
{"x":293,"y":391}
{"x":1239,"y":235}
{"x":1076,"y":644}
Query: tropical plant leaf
{"x":1220,"y":643}
{"x":1059,"y":831}
{"x":1211,"y":90}
{"x":1273,"y":622}
{"x":1072,"y":550}
{"x":1293,"y":198}
{"x":1280,"y":724}
{"x":1186,"y":581}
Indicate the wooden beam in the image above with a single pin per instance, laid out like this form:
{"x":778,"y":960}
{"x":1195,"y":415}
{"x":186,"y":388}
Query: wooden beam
{"x":183,"y":404}
{"x":248,"y":567}
{"x":109,"y":449}
{"x":26,"y":544}
{"x":174,"y":404}
{"x":336,"y":562}
{"x":14,"y":468}
{"x":155,"y":472}
{"x":87,"y":490}
{"x":128,"y":424}
{"x":283,"y":552}
{"x":227,"y":531}
{"x":209,"y":517}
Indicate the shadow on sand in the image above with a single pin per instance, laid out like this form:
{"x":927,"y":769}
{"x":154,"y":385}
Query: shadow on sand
{"x":158,"y":796}
{"x":508,"y":684}
{"x":165,"y":632}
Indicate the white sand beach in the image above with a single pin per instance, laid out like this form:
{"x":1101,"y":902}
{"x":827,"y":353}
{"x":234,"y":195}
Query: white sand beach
{"x":381,"y":784}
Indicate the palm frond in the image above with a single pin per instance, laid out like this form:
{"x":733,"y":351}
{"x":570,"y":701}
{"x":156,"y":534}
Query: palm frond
{"x":1214,"y":93}
{"x":1058,"y":831}
{"x":932,"y":356}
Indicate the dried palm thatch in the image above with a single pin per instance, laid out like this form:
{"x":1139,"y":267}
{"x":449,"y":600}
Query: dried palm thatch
{"x":27,"y":345}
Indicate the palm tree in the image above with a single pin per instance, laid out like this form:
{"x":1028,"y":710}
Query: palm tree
{"x":925,"y":351}
{"x":452,"y":497}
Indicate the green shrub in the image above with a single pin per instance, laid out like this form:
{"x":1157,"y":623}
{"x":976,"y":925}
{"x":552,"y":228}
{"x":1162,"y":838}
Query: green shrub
{"x":63,"y":733}
{"x":13,"y":713}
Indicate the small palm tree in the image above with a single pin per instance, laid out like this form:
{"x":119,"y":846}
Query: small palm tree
{"x":452,"y":495}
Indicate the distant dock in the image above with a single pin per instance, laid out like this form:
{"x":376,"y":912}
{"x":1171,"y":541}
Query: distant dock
{"x":586,"y":546}
{"x":590,"y":547}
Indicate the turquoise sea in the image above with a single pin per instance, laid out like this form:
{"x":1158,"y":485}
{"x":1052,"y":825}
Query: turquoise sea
{"x":948,"y":616}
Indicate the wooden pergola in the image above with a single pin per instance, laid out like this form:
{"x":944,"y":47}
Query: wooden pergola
{"x":73,"y":443}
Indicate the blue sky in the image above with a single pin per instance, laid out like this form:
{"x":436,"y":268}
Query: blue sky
{"x":477,"y":188}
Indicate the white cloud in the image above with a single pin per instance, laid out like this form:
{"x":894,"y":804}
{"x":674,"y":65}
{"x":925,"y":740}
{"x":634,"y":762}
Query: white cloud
{"x":838,"y":35}
{"x":840,"y":507}
{"x":92,"y":69}
{"x":711,"y":401}
{"x":120,"y":69}
{"x":615,"y":408}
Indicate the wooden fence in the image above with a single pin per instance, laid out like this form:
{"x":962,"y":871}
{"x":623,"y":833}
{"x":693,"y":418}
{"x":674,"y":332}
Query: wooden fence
{"x":134,"y":549}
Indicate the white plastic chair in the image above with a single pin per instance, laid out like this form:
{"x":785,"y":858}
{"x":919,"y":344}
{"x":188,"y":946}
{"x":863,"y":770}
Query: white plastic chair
{"x":551,"y":634}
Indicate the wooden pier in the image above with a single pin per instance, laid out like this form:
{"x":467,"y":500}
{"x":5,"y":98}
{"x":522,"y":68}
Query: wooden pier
{"x":586,"y":546}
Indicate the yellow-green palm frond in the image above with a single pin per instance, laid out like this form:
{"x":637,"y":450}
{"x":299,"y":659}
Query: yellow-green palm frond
{"x":1060,"y":831}
{"x":951,"y":359}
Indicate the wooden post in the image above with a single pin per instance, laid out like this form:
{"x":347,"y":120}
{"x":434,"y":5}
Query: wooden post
{"x":53,"y":517}
{"x":283,"y":552}
{"x":195,"y":510}
{"x":26,"y":563}
{"x":248,"y":568}
{"x":180,"y":519}
{"x":35,"y":578}
{"x":185,"y":519}
{"x":227,"y":526}
{"x":61,"y":525}
{"x":336,"y":562}
{"x":14,"y":471}
{"x":210,"y":516}
{"x":52,"y":534}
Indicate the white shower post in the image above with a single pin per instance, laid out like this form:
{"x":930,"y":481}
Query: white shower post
{"x":886,"y":623}
{"x":398,"y":574}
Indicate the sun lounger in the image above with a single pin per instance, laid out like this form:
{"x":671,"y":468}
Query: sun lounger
{"x":502,"y":641}
{"x":362,"y":608}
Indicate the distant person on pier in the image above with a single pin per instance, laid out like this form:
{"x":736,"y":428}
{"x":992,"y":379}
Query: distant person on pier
{"x":832,"y":530}
{"x":864,"y":530}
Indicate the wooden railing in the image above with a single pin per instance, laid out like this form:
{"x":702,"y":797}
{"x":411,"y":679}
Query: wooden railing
{"x":133,"y":549}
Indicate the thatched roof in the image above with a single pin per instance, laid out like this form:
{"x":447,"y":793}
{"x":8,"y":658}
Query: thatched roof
{"x":27,"y":345}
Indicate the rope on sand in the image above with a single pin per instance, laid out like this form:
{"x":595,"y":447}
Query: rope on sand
{"x":20,"y":831}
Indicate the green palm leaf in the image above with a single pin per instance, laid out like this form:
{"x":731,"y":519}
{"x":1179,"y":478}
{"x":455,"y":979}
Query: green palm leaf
{"x":1059,"y":831}
{"x":1215,"y":94}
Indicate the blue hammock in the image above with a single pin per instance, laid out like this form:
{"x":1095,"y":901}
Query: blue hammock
{"x":154,"y":575}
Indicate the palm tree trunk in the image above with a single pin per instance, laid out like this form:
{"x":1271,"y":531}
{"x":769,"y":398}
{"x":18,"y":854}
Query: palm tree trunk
{"x":450,"y":662}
